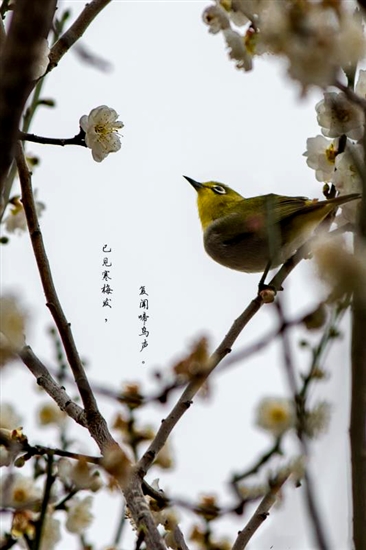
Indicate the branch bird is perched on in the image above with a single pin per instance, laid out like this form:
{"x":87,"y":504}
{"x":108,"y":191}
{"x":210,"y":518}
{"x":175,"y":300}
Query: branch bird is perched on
{"x":258,"y":233}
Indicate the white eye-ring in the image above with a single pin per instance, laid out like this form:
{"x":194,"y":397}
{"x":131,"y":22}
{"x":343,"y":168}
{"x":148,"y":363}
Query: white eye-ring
{"x":218,"y":189}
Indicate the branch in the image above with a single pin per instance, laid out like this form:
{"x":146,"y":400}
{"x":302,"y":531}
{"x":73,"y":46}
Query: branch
{"x":259,"y":516}
{"x":78,"y":139}
{"x":56,"y":392}
{"x":97,"y":425}
{"x":358,"y":383}
{"x":76,"y":31}
{"x":30,"y":24}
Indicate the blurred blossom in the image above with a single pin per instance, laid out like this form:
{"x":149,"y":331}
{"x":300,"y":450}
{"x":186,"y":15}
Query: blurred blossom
{"x":318,"y":39}
{"x":165,"y":458}
{"x":50,"y":414}
{"x":9,"y":418}
{"x":317,"y":420}
{"x":342,"y":270}
{"x":16,"y":221}
{"x":321,"y":155}
{"x":101,"y":131}
{"x":19,"y":492}
{"x":347,"y":179}
{"x":360,"y":87}
{"x":337,"y":116}
{"x":79,"y":516}
{"x":275,"y":415}
{"x":80,"y":474}
{"x":51,"y":533}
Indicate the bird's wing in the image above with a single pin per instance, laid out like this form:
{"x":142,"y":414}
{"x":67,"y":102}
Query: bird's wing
{"x":280,"y":207}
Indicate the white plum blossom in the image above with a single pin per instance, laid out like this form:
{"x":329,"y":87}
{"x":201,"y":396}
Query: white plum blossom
{"x":51,"y":533}
{"x":9,"y":418}
{"x":275,"y":415}
{"x":346,"y":179}
{"x":101,"y":131}
{"x":12,"y":327}
{"x":216,"y":18}
{"x":238,"y":49}
{"x":321,"y":155}
{"x":317,"y":420}
{"x":360,"y":87}
{"x":42,"y":62}
{"x":16,"y":221}
{"x":19,"y":492}
{"x":79,"y":516}
{"x":336,"y":116}
{"x":50,"y":414}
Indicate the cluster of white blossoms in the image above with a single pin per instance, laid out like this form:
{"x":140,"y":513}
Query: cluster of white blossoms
{"x":278,"y":415}
{"x":101,"y":131}
{"x":317,"y":38}
{"x":337,"y":156}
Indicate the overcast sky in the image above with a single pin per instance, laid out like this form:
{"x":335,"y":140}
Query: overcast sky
{"x":186,"y":110}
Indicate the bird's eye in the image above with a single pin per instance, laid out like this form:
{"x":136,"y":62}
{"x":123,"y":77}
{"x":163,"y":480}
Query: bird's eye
{"x":218,"y":189}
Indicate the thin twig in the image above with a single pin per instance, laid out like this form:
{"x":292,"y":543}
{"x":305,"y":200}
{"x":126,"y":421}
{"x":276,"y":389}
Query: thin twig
{"x":259,"y":516}
{"x":78,"y":139}
{"x":314,"y":514}
{"x":76,"y":31}
{"x":57,"y":393}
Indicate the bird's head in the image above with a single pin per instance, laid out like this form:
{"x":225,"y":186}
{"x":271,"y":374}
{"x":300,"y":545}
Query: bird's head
{"x":214,"y":200}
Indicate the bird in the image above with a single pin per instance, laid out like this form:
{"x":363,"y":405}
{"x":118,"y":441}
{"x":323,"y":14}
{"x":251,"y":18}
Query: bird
{"x":258,"y":233}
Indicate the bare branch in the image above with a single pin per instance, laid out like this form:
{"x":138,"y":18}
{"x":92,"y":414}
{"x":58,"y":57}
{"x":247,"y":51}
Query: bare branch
{"x":259,"y":516}
{"x":76,"y":31}
{"x":57,"y":393}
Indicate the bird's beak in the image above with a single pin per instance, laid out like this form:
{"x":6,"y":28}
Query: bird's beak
{"x":194,"y":183}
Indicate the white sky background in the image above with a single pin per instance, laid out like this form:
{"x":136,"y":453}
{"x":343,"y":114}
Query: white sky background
{"x":186,"y":110}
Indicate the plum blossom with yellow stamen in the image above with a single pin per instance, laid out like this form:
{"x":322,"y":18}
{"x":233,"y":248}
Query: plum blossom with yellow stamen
{"x":101,"y":131}
{"x":275,"y":415}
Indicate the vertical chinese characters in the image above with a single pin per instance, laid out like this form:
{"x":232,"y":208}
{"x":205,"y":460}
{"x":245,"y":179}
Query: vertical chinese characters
{"x":106,"y":289}
{"x":143,"y":317}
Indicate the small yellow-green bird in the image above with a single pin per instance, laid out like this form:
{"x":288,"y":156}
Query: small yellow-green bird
{"x":257,"y":233}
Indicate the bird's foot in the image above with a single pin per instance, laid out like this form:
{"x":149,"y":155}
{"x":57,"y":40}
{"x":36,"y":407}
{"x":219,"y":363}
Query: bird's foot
{"x":267,"y":292}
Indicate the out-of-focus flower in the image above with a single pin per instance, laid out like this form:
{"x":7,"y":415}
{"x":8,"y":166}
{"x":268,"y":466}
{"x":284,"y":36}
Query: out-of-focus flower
{"x":51,"y":533}
{"x":41,"y":65}
{"x":12,"y":321}
{"x":165,"y":458}
{"x":360,"y":87}
{"x":9,"y":418}
{"x":19,"y":492}
{"x":337,"y":116}
{"x":237,"y":49}
{"x":79,"y":516}
{"x":216,"y":18}
{"x":320,"y":156}
{"x":16,"y":221}
{"x":275,"y":415}
{"x":317,"y":420}
{"x":343,"y":271}
{"x":23,"y":524}
{"x":5,"y":456}
{"x":101,"y":131}
{"x":249,"y":492}
{"x":346,"y":179}
{"x":313,"y":37}
{"x":79,"y":474}
{"x":50,"y":414}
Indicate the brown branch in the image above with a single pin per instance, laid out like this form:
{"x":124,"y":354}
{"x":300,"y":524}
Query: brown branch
{"x":358,"y":383}
{"x":29,"y":26}
{"x":76,"y":31}
{"x":78,"y":139}
{"x":259,"y":516}
{"x":96,"y":423}
{"x":57,"y":393}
